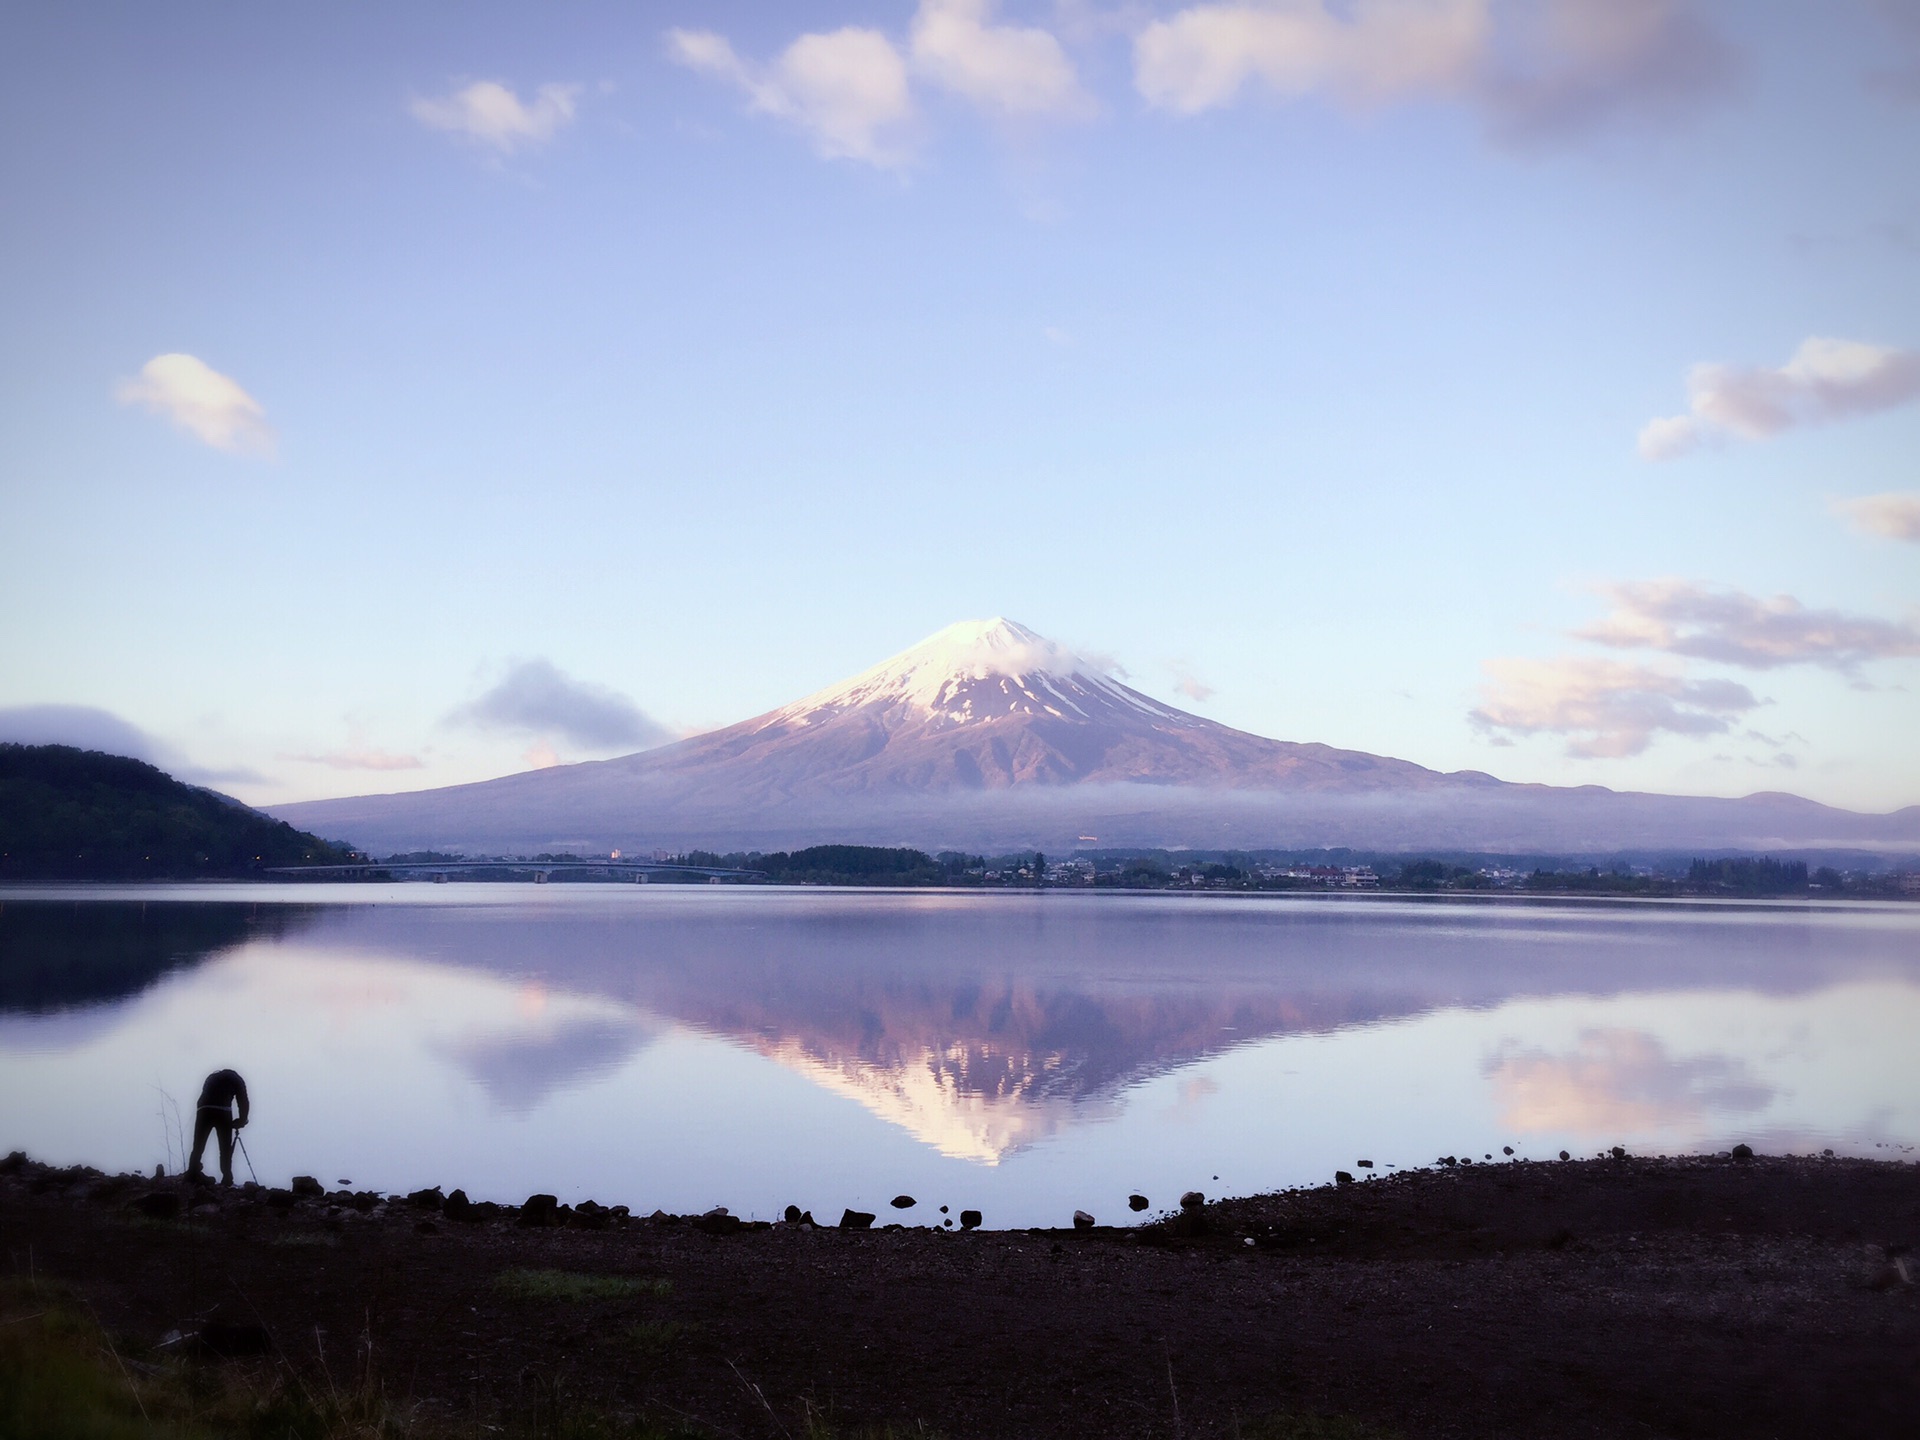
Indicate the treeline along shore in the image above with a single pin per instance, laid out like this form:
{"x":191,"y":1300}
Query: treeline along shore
{"x":1726,"y":1295}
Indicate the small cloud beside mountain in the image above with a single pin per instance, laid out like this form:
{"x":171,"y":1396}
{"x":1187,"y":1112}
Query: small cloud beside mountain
{"x":536,"y":699}
{"x":1189,"y":684}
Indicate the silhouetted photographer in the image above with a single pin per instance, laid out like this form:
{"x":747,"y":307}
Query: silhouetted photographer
{"x":214,"y":1112}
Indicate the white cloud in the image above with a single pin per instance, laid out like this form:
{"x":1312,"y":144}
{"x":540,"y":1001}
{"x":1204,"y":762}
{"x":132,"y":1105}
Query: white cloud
{"x":1014,"y":71}
{"x":1826,"y":380}
{"x":1895,"y":514}
{"x":203,"y":402}
{"x":1668,"y":438}
{"x":1187,"y":683}
{"x":490,"y":113}
{"x":1533,"y":68}
{"x":1204,"y":56}
{"x":851,"y":90}
{"x":847,"y":89}
{"x":1605,"y":708}
{"x":1733,"y":628}
{"x":536,"y":699}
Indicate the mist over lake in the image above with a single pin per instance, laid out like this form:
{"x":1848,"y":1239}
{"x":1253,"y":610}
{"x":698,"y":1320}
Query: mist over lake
{"x":1025,"y":1054}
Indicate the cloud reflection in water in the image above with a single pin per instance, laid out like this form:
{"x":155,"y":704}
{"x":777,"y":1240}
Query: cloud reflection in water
{"x":566,"y":1043}
{"x":1619,"y":1082}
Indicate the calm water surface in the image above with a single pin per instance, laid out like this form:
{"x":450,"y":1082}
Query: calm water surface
{"x":1021,"y":1054}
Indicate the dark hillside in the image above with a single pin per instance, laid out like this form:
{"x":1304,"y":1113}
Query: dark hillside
{"x":68,"y":814}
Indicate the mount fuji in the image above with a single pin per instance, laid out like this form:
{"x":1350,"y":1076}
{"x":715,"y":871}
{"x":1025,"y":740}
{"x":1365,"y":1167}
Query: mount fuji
{"x":989,"y":736}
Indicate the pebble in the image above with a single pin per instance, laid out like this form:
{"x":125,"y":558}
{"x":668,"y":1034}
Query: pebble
{"x":1136,"y":1202}
{"x":1082,"y":1220}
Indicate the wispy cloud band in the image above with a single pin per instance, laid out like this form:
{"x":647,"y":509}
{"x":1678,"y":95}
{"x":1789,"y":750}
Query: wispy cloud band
{"x":1826,"y":380}
{"x":1607,"y":709}
{"x":1534,"y":70}
{"x":1754,"y":633}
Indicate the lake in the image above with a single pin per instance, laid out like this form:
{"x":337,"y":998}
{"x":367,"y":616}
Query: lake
{"x":1021,"y":1053}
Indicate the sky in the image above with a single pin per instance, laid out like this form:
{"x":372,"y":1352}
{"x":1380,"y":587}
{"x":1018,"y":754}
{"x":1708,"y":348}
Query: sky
{"x":401,"y":395}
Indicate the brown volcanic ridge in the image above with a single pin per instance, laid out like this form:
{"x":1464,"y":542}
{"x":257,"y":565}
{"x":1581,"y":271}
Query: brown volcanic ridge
{"x":989,"y":736}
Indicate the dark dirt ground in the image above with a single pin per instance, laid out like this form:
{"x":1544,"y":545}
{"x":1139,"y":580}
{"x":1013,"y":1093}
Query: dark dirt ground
{"x":1627,"y":1297}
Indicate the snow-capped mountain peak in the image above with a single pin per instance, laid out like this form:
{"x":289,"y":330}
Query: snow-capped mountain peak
{"x":975,"y":670}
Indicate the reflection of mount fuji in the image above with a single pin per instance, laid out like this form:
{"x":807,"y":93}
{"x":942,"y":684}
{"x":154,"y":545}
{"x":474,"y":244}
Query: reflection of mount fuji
{"x":983,"y":1024}
{"x":983,"y":1071}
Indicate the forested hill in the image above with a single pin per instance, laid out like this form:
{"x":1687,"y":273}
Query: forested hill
{"x":68,"y":814}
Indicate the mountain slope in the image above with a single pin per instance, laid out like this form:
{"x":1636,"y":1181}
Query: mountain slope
{"x":80,"y":815}
{"x":990,"y":705}
{"x":989,"y":735}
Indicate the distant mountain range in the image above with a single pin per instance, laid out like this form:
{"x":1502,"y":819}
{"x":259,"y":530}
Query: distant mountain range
{"x":990,"y":737}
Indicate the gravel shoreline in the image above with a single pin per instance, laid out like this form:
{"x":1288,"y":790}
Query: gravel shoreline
{"x":1692,"y":1296}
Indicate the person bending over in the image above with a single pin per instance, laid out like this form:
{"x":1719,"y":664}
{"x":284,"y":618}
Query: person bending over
{"x":224,"y":1088}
